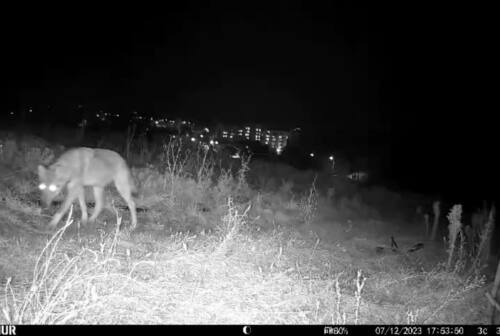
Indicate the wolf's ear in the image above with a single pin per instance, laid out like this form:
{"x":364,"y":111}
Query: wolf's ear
{"x":41,"y":171}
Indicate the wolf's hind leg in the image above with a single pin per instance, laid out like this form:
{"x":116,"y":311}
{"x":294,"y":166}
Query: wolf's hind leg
{"x":124,"y":188}
{"x":83,"y":206}
{"x":99,"y":201}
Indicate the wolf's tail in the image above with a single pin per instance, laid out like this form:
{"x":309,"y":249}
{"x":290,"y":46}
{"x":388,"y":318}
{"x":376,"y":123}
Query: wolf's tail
{"x":133,"y":187}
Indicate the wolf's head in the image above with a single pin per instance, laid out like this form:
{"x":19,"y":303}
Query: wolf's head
{"x":51,"y":184}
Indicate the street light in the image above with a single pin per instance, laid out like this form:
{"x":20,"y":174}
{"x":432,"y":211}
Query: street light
{"x":332,"y":160}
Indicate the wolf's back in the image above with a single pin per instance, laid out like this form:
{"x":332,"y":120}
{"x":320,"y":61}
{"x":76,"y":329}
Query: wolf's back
{"x":120,"y":166}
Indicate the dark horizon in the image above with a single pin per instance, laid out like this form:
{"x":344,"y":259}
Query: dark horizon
{"x":390,"y":80}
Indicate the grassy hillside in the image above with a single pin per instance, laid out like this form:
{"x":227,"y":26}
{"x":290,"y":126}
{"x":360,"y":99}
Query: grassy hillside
{"x":224,"y":241}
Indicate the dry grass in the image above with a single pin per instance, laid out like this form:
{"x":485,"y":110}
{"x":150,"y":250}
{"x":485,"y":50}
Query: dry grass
{"x":233,"y":276}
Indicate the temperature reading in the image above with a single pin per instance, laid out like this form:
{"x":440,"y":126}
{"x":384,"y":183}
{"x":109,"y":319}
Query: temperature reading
{"x":482,"y":331}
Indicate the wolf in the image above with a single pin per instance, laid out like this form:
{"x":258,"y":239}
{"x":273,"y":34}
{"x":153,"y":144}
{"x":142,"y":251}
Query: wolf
{"x":81,"y":167}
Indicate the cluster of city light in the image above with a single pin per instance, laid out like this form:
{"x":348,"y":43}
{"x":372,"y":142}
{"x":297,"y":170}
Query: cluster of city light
{"x":193,"y":138}
{"x":168,"y":123}
{"x":276,"y":140}
{"x":103,"y":116}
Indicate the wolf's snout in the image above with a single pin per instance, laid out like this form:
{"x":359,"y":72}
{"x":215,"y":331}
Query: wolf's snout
{"x":46,"y":200}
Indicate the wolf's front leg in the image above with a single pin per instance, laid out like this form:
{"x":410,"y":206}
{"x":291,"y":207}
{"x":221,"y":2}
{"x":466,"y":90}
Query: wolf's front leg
{"x":73,"y":192}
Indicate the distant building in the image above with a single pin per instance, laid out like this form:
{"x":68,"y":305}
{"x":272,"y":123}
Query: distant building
{"x":274,"y":139}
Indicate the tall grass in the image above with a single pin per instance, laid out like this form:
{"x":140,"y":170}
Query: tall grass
{"x":63,"y":287}
{"x":308,"y":204}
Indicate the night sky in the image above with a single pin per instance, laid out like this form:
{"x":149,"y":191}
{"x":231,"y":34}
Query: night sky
{"x":399,"y":83}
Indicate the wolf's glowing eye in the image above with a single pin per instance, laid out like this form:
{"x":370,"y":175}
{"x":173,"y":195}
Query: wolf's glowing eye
{"x":52,"y":187}
{"x":42,"y":186}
